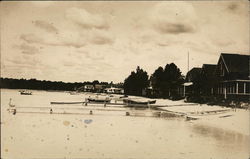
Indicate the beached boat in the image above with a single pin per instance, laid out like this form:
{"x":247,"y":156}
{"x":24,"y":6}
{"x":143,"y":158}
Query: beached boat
{"x":138,"y":101}
{"x":124,"y":96}
{"x":25,"y":93}
{"x":99,"y":100}
{"x":66,"y":102}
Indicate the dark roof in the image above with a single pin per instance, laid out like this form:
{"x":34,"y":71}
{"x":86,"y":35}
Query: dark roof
{"x":236,"y":62}
{"x":208,"y":69}
{"x":193,"y":74}
{"x":195,"y":70}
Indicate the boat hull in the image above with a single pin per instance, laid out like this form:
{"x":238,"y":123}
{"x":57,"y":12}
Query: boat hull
{"x":136,"y":102}
{"x":99,"y":100}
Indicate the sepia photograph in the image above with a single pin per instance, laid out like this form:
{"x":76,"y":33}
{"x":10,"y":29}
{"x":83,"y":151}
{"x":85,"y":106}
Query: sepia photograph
{"x":125,"y":79}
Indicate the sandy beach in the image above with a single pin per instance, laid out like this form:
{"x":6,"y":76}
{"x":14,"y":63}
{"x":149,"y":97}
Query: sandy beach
{"x":110,"y":133}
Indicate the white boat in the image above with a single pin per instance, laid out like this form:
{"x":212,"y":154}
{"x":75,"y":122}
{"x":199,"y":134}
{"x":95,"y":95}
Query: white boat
{"x":25,"y":92}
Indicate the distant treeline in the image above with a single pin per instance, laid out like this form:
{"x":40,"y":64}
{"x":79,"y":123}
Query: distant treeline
{"x":43,"y":84}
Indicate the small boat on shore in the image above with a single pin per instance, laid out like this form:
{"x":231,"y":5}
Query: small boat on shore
{"x":124,"y":96}
{"x":66,"y":102}
{"x":99,"y":100}
{"x":138,"y":101}
{"x":25,"y":92}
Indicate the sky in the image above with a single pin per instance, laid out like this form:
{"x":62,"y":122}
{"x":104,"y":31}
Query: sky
{"x":77,"y":41}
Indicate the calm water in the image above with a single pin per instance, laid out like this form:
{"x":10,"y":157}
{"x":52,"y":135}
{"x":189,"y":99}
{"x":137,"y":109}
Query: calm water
{"x":107,"y":134}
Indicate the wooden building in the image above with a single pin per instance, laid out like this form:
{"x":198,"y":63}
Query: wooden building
{"x":232,"y":77}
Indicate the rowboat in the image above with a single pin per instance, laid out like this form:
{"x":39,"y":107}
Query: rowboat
{"x":99,"y":100}
{"x":137,"y":102}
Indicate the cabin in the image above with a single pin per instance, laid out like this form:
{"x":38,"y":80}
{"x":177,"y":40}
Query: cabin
{"x":189,"y":87}
{"x":232,"y":77}
{"x":207,"y":79}
{"x":198,"y":81}
{"x":193,"y":74}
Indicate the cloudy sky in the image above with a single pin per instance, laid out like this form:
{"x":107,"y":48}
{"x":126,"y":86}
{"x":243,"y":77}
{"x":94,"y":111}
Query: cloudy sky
{"x":84,"y":41}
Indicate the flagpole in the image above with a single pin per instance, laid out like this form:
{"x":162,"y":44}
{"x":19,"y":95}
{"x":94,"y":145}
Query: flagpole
{"x":188,"y":61}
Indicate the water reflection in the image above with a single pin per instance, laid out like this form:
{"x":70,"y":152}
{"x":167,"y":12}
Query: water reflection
{"x":222,"y":137}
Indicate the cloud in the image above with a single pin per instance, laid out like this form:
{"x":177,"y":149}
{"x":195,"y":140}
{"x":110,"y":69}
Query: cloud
{"x":23,"y":61}
{"x":49,"y":27}
{"x":94,"y":56}
{"x":173,"y":18}
{"x":232,"y":6}
{"x":68,"y":63}
{"x":42,"y":4}
{"x":31,"y":38}
{"x":72,"y":38}
{"x":27,"y":49}
{"x":66,"y":39}
{"x":101,"y":38}
{"x":173,"y":28}
{"x":239,"y":7}
{"x":85,"y":19}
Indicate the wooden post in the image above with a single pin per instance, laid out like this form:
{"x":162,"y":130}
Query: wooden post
{"x":86,"y":103}
{"x":237,"y":87}
{"x":184,"y":91}
{"x":244,"y":87}
{"x":230,"y":87}
{"x":225,"y":92}
{"x":14,"y":111}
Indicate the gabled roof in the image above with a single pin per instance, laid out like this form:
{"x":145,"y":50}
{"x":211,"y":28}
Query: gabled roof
{"x":208,"y":69}
{"x":236,"y":62}
{"x":194,"y":70}
{"x":193,"y":74}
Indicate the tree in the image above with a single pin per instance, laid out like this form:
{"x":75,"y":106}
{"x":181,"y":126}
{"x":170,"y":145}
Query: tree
{"x":136,"y":82}
{"x":166,"y":81}
{"x":157,"y":80}
{"x":95,"y":82}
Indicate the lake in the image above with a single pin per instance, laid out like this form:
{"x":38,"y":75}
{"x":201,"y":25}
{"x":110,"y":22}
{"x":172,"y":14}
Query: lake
{"x":108,"y":133}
